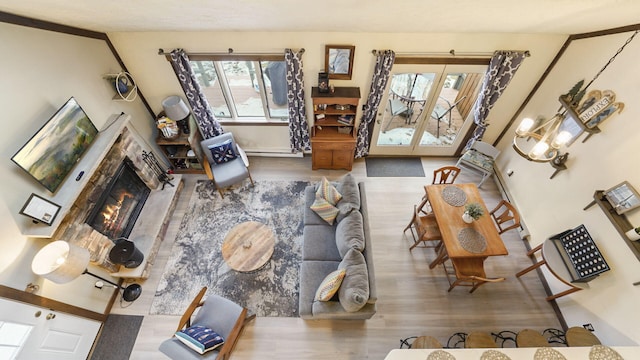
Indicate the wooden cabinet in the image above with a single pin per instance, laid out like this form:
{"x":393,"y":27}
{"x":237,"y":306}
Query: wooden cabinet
{"x":333,"y":135}
{"x":181,"y":152}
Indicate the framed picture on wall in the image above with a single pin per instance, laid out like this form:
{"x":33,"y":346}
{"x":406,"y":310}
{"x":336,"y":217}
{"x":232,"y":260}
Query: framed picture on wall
{"x":623,"y":197}
{"x":338,"y":61}
{"x":40,"y":209}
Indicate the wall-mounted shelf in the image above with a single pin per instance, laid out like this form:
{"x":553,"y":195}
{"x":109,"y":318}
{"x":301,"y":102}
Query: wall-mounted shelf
{"x":620,"y":222}
{"x":132,"y":88}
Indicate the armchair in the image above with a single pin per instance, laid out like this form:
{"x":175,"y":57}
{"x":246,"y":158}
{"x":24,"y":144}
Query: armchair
{"x":222,"y":315}
{"x":480,"y":157}
{"x":225,"y":162}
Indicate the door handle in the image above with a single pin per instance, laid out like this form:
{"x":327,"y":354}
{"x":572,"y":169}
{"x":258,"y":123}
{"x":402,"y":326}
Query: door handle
{"x":51,"y":316}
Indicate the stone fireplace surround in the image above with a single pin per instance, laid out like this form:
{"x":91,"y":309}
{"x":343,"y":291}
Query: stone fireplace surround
{"x":150,"y":227}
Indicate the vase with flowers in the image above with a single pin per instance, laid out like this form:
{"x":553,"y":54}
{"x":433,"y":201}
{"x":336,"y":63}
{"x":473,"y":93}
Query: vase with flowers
{"x":472,"y":211}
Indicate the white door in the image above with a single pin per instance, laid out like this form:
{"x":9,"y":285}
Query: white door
{"x":426,"y":110}
{"x":40,"y":333}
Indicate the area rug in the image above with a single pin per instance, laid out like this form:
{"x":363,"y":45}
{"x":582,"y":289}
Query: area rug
{"x":196,"y":258}
{"x":117,"y":337}
{"x":394,"y":167}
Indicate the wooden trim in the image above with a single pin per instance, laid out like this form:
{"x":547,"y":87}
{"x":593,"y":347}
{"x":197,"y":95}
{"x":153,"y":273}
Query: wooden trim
{"x":37,"y":300}
{"x":441,"y":60}
{"x":50,"y":26}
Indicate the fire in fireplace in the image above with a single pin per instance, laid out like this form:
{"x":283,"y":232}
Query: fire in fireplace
{"x":117,"y":210}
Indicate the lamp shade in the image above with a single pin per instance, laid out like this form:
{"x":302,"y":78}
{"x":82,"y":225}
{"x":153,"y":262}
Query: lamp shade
{"x":175,"y":108}
{"x":60,"y":261}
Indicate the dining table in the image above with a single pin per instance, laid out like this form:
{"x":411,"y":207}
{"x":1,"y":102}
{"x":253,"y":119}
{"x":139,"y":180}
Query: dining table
{"x":466,"y":244}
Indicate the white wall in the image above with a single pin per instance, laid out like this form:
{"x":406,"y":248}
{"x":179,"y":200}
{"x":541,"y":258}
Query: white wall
{"x":41,"y":70}
{"x":139,"y":50}
{"x":606,"y":159}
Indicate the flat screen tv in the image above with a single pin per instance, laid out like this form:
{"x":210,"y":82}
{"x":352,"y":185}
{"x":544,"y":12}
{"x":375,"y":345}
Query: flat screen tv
{"x":50,"y":155}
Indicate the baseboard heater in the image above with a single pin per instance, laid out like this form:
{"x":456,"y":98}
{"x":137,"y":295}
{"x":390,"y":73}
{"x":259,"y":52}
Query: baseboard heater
{"x":272,"y":153}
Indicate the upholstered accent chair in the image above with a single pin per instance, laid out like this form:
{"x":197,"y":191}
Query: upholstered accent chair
{"x":221,"y":315}
{"x":480,"y":158}
{"x":225,"y":162}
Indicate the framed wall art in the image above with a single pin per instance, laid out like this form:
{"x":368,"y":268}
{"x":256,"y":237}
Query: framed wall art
{"x":40,"y":209}
{"x":338,"y":61}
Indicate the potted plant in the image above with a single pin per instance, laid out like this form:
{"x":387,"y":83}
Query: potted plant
{"x":472,"y":211}
{"x":633,"y":234}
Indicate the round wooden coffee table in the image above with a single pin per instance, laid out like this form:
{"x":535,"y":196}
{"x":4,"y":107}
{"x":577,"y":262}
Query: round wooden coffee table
{"x":248,"y":246}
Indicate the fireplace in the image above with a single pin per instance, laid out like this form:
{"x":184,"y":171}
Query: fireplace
{"x":117,"y":209}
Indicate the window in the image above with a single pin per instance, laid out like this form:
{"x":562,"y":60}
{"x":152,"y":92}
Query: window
{"x":245,"y":88}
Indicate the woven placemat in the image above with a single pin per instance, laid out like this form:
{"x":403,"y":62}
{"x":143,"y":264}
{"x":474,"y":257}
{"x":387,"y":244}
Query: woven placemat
{"x":440,"y":355}
{"x":454,"y":196}
{"x":472,"y":241}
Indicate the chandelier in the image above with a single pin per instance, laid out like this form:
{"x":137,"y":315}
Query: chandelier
{"x":550,"y":135}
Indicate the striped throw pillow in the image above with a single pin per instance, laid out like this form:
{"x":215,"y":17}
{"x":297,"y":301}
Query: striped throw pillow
{"x":325,"y":210}
{"x":328,"y":191}
{"x":330,"y":285}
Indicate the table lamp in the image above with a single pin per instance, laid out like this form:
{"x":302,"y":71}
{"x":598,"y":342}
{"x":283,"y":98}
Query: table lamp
{"x":62,"y":262}
{"x":175,"y":109}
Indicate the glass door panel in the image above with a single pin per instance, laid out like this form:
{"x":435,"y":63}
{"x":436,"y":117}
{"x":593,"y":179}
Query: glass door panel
{"x":401,"y":110}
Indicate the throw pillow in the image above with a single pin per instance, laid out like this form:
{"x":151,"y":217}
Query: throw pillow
{"x":200,"y":338}
{"x":353,"y":294}
{"x":330,"y":285}
{"x":223,"y":152}
{"x":328,"y":192}
{"x":350,"y":233}
{"x":324,"y":209}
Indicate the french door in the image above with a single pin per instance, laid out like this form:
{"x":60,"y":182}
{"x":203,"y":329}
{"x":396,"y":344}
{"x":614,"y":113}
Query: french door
{"x":426,"y":110}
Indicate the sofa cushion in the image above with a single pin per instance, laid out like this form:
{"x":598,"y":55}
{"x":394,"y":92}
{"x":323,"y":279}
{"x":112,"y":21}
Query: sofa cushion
{"x":350,"y":234}
{"x":330,"y":285}
{"x":354,"y":291}
{"x":324,"y":209}
{"x":319,"y":243}
{"x":350,"y":196}
{"x":311,"y":275}
{"x":329,"y":192}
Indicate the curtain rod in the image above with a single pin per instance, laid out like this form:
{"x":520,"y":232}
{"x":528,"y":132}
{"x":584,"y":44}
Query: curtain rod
{"x":229,"y":52}
{"x":451,"y":52}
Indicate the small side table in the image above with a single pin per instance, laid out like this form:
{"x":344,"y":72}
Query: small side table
{"x":248,"y":246}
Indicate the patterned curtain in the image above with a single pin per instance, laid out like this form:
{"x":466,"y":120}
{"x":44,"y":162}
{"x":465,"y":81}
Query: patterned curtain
{"x":502,"y":67}
{"x":298,"y":125}
{"x":209,"y":126}
{"x":384,"y":63}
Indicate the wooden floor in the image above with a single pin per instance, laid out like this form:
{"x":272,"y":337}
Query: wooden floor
{"x":412,"y":300}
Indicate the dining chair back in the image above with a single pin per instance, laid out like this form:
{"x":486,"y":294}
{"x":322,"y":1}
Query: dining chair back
{"x":424,"y":229}
{"x":445,"y":175}
{"x":466,"y":272}
{"x":477,"y":339}
{"x":531,"y":338}
{"x":505,"y":216}
{"x":579,"y":336}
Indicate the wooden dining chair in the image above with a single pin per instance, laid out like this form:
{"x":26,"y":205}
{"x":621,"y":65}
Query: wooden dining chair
{"x":478,"y":339}
{"x":505,"y":216}
{"x":445,"y":175}
{"x":531,"y":338}
{"x":579,"y":336}
{"x":466,"y":272}
{"x":424,"y":229}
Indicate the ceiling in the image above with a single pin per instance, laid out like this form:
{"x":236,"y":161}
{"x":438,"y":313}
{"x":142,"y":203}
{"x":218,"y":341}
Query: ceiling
{"x":391,"y":16}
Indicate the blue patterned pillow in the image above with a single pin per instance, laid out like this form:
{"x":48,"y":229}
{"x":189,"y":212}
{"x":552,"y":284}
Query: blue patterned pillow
{"x":200,"y":338}
{"x":223,"y":152}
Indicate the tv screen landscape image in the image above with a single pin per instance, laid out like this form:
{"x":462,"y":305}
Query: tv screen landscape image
{"x":50,"y":155}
